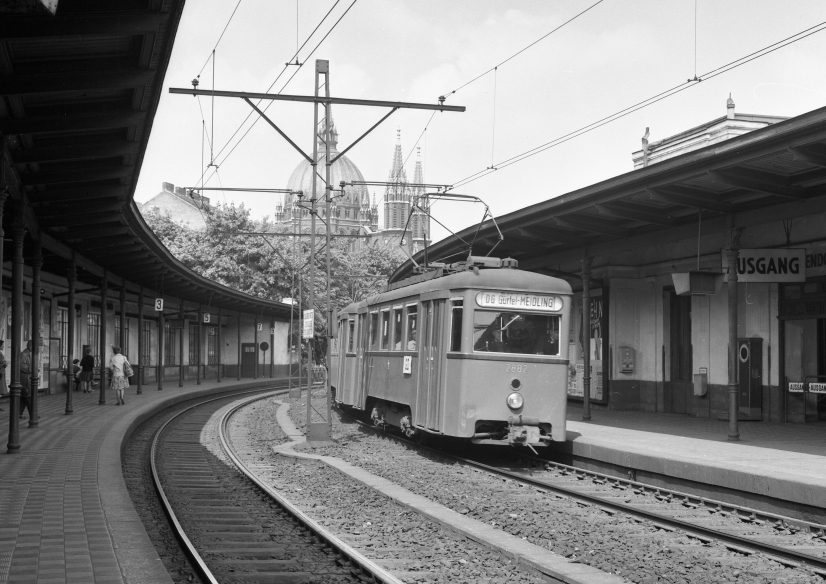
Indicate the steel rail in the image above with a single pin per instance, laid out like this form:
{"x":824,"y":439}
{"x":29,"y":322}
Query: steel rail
{"x":364,"y":567}
{"x":189,"y":548}
{"x":782,"y":555}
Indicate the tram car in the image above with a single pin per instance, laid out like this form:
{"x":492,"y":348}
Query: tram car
{"x":475,"y":350}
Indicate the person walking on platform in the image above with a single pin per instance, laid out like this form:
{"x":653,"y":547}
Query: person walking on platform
{"x":87,"y":370}
{"x":4,"y":386}
{"x":119,"y":380}
{"x":25,"y":379}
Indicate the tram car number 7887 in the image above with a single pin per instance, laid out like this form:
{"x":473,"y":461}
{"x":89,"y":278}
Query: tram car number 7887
{"x":475,"y":350}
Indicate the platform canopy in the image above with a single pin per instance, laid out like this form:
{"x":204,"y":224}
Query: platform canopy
{"x":768,"y":174}
{"x":78,"y":94}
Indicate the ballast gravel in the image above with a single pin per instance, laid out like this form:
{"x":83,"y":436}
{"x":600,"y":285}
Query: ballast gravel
{"x":414,"y":549}
{"x":635,"y":549}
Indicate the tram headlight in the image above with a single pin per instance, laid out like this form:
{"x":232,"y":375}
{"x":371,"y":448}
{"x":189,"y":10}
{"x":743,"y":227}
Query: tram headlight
{"x":515,"y":401}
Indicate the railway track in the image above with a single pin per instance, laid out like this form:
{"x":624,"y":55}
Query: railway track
{"x":233,"y":527}
{"x":788,"y":541}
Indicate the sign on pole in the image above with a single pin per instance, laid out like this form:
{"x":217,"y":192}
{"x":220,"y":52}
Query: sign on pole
{"x":308,"y":325}
{"x":158,"y":304}
{"x":769,"y":265}
{"x":259,"y":326}
{"x":206,"y":317}
{"x":272,"y":330}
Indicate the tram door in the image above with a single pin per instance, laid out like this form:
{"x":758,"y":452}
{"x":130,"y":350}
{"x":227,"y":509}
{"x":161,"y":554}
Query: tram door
{"x":361,"y":367}
{"x":429,"y":395}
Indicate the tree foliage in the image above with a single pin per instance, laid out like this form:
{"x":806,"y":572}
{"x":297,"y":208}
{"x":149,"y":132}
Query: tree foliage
{"x":275,"y":268}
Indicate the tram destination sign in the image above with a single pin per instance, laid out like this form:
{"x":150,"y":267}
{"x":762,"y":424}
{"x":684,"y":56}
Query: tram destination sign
{"x":517,"y":301}
{"x":770,"y":265}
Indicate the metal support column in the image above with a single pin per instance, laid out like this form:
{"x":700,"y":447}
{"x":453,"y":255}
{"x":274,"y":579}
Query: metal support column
{"x":255,"y":341}
{"x":181,"y":347}
{"x":123,"y":332}
{"x":161,"y":347}
{"x":103,"y":291}
{"x":199,"y":347}
{"x":272,"y":346}
{"x":141,"y":364}
{"x":586,"y":338}
{"x":733,"y":388}
{"x":71,"y":315}
{"x":18,"y":232}
{"x":239,"y":347}
{"x":220,"y":345}
{"x":34,"y":374}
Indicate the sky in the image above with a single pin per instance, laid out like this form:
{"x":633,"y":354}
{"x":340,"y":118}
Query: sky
{"x":618,"y":53}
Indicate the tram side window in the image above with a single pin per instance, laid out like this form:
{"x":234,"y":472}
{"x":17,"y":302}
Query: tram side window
{"x":385,"y":329}
{"x":456,"y":325}
{"x":351,"y":335}
{"x":515,"y":332}
{"x":411,"y":327}
{"x":374,"y":331}
{"x":397,"y":328}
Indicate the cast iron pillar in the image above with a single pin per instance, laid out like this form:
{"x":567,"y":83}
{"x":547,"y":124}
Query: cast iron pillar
{"x":18,"y":232}
{"x":161,"y":347}
{"x":586,"y":339}
{"x":733,"y":388}
{"x":123,"y":332}
{"x":220,"y":350}
{"x":198,"y":348}
{"x":272,"y":348}
{"x":239,"y":346}
{"x":71,"y":315}
{"x":34,"y":378}
{"x":255,"y":342}
{"x":104,"y":289}
{"x":141,"y":364}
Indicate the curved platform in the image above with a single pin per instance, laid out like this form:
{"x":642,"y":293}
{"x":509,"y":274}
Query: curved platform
{"x":65,"y":512}
{"x":779,"y":468}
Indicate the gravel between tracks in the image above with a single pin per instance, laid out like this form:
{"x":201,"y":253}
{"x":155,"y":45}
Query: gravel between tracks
{"x":637,"y":550}
{"x":413,"y":548}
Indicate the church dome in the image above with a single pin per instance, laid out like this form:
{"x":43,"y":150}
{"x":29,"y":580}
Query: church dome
{"x":343,"y":169}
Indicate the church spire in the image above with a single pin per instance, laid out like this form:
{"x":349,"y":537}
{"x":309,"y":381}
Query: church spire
{"x":333,"y":134}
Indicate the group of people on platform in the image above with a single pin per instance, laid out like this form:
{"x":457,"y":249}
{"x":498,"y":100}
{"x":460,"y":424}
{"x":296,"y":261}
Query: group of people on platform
{"x":83,"y":373}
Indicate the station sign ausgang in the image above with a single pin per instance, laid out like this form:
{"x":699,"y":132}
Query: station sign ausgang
{"x":509,"y":300}
{"x":770,"y":265}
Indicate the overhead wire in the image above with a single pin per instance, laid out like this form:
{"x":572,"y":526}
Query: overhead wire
{"x":226,"y":26}
{"x":519,"y":52}
{"x":646,"y":102}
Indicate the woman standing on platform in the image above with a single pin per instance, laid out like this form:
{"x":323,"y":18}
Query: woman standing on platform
{"x":119,"y":379}
{"x":87,"y":370}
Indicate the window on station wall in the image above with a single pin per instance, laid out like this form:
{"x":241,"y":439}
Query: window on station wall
{"x":194,"y":344}
{"x":93,"y":335}
{"x":63,"y":327}
{"x":374,"y":331}
{"x":385,"y":329}
{"x":412,"y":331}
{"x":170,"y":353}
{"x":456,"y":310}
{"x":146,"y":358}
{"x":125,"y":347}
{"x":398,"y":328}
{"x":351,"y":335}
{"x":212,"y":345}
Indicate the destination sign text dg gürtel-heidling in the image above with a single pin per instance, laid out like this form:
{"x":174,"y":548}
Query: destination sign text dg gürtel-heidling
{"x":519,"y":301}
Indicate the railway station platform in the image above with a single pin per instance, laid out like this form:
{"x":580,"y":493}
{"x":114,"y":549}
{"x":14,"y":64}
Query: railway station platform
{"x":779,"y":468}
{"x":65,"y":512}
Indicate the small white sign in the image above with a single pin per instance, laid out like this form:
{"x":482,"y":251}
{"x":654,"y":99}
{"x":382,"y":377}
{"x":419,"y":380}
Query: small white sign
{"x":308,"y":324}
{"x":206,"y":317}
{"x":817,"y":387}
{"x":259,"y":327}
{"x":158,"y":304}
{"x":515,"y":301}
{"x":795,"y":387}
{"x":407,"y":368}
{"x":769,"y":265}
{"x":272,"y":330}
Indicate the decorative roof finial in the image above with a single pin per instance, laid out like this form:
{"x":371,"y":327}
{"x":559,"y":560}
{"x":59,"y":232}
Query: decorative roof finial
{"x":730,"y":107}
{"x":398,"y":135}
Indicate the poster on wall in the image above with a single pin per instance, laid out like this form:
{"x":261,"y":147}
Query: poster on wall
{"x":597,"y":337}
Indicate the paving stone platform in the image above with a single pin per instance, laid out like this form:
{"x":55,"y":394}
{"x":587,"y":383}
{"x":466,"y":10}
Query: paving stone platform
{"x":781,"y":462}
{"x":65,"y":512}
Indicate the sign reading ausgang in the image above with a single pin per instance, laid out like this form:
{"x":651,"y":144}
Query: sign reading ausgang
{"x":509,"y":300}
{"x":770,"y":265}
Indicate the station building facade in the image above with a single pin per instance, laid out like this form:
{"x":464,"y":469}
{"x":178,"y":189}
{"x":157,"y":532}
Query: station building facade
{"x":655,"y":248}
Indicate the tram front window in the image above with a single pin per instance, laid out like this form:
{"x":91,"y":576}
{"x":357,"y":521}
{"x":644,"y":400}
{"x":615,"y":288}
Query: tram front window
{"x":515,"y":332}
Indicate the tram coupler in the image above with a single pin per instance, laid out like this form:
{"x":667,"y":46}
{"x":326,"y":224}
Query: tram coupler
{"x":524,"y":432}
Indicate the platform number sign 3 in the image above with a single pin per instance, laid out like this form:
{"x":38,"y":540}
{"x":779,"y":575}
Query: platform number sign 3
{"x":158,"y":304}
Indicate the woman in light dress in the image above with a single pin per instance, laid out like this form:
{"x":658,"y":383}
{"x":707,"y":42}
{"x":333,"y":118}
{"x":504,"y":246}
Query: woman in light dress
{"x":119,"y":381}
